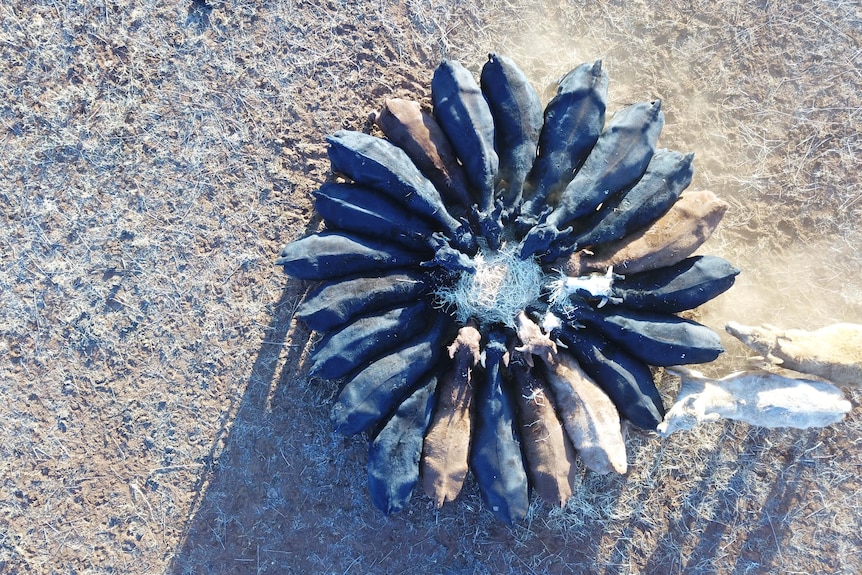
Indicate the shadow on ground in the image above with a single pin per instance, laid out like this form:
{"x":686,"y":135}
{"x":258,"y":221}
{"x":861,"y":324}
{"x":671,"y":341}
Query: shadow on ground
{"x":723,"y":531}
{"x":286,"y":495}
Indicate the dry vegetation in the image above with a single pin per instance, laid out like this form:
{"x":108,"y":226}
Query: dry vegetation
{"x":155,"y":412}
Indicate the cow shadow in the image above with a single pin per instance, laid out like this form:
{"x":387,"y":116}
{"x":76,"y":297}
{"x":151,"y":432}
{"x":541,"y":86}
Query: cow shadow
{"x":282,"y":493}
{"x":717,"y":530}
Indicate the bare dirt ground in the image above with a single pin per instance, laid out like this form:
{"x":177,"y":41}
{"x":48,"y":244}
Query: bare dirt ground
{"x":155,"y":415}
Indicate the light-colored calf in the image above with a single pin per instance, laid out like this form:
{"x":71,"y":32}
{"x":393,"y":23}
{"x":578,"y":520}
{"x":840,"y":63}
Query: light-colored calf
{"x":833,"y":352}
{"x":757,"y":397}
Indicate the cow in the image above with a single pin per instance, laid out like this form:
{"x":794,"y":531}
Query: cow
{"x":669,"y":240}
{"x":759,"y":398}
{"x":833,"y":352}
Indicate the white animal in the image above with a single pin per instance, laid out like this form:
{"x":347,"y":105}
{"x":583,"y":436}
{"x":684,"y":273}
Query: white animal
{"x":595,"y":285}
{"x":756,"y":397}
{"x":833,"y":352}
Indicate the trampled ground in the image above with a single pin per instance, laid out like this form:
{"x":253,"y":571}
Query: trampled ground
{"x":156,"y":416}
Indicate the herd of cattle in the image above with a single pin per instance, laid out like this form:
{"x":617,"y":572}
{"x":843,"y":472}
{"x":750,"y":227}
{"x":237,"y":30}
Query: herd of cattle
{"x":499,"y":282}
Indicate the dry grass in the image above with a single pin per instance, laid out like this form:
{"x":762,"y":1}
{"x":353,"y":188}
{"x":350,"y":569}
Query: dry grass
{"x":154,"y":158}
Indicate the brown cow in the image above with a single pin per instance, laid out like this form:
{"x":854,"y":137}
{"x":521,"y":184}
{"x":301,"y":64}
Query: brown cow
{"x":447,"y":444}
{"x":417,"y":133}
{"x":669,"y":240}
{"x":548,"y":453}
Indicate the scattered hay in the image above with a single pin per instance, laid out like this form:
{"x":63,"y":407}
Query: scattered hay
{"x":502,"y":285}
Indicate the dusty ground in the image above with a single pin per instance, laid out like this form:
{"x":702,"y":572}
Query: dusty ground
{"x":155,"y":413}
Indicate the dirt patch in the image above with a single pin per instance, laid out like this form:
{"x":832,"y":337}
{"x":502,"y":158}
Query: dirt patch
{"x":156,"y":412}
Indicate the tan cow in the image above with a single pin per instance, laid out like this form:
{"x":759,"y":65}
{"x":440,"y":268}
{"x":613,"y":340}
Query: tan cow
{"x":533,"y":341}
{"x":589,"y":416}
{"x":833,"y":352}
